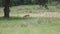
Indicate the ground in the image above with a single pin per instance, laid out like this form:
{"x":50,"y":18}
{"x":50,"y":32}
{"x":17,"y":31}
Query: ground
{"x":40,"y":21}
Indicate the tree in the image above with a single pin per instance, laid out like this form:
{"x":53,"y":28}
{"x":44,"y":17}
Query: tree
{"x":43,"y":3}
{"x":21,"y":2}
{"x":6,"y":8}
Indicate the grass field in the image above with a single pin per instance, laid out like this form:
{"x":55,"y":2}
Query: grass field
{"x":19,"y":25}
{"x":30,"y":25}
{"x":33,"y":9}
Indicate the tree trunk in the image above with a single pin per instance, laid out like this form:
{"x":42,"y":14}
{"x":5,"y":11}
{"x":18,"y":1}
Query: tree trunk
{"x":6,"y":9}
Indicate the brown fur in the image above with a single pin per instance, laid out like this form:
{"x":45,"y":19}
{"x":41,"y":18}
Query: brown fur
{"x":26,"y":15}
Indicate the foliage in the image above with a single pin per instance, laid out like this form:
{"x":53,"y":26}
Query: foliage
{"x":25,"y":2}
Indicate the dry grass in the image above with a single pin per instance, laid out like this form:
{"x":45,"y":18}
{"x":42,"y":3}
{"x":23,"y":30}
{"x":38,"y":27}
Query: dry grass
{"x":33,"y":11}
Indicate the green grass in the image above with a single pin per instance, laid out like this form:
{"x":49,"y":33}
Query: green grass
{"x":30,"y":25}
{"x":17,"y":25}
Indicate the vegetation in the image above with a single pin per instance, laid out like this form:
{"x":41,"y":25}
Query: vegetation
{"x":28,"y":2}
{"x":30,"y":17}
{"x":8,"y":3}
{"x":17,"y":25}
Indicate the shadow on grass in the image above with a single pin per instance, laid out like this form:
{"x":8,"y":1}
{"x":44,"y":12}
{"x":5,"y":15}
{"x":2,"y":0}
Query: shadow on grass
{"x":16,"y":18}
{"x":26,"y":18}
